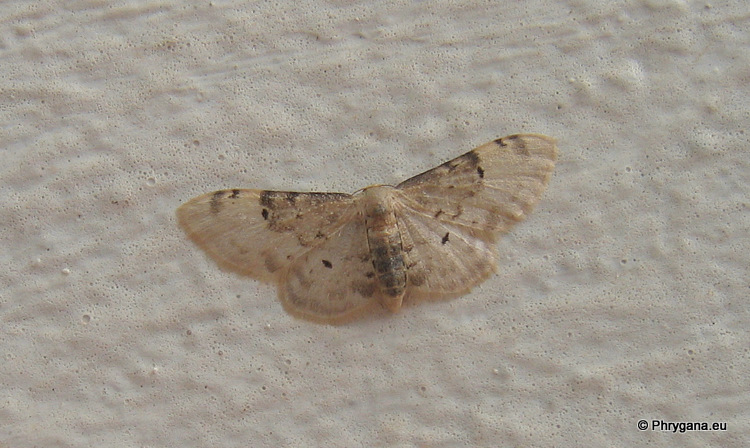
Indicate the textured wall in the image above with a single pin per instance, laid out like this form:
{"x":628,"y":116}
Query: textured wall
{"x":622,"y":297}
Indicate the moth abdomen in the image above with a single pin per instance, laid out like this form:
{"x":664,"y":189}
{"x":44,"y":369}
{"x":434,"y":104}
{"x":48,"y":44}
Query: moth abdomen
{"x":386,"y":247}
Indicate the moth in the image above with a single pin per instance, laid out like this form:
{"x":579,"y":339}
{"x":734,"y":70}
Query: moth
{"x":336,"y":256}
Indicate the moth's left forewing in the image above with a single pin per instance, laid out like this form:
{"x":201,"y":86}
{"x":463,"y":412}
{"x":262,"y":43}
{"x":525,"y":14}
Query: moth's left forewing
{"x":517,"y":169}
{"x":489,"y":188}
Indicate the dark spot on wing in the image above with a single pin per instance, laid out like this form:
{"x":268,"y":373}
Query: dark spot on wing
{"x":327,"y":264}
{"x":468,"y":162}
{"x":520,"y":145}
{"x":480,"y":171}
{"x":370,"y":274}
{"x":501,"y":141}
{"x":266,"y":198}
{"x":215,"y":205}
{"x":276,"y":199}
{"x":271,"y":199}
{"x":471,"y":157}
{"x":319,"y":198}
{"x":445,"y":238}
{"x":264,"y":213}
{"x":235,"y":194}
{"x":439,"y":212}
{"x":450,"y":165}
